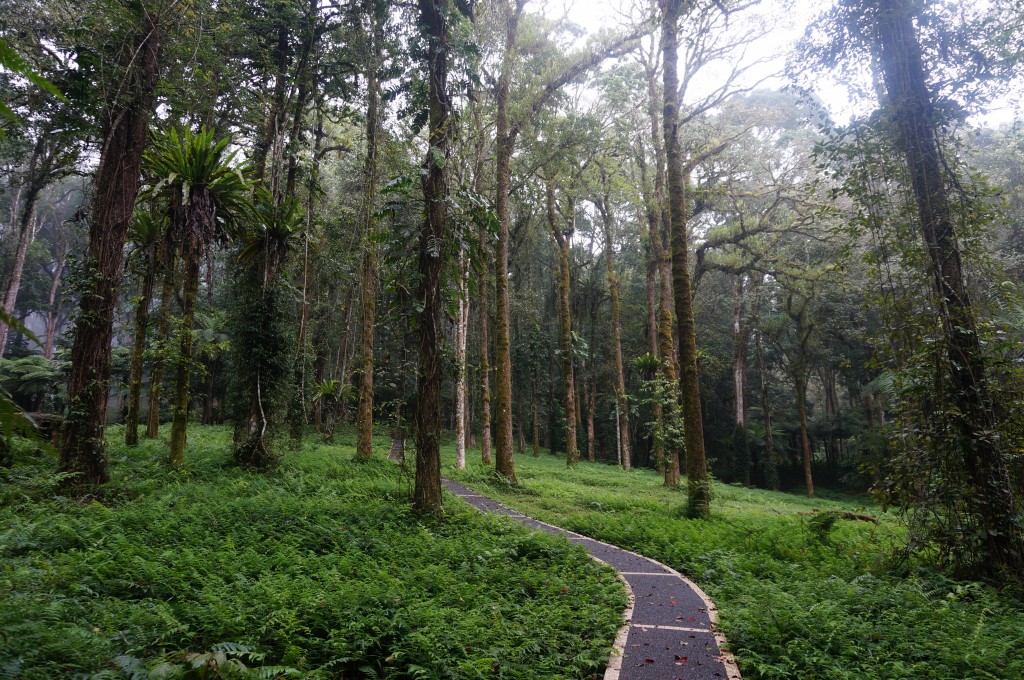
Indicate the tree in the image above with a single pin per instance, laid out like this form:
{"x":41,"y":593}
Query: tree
{"x":150,"y":236}
{"x":435,"y":17}
{"x":124,"y":123}
{"x":206,"y":193}
{"x":371,"y":190}
{"x":698,"y":488}
{"x":916,"y":133}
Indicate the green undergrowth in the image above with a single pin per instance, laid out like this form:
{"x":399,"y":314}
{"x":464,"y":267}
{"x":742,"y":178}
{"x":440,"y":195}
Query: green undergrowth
{"x":803,"y":591}
{"x":319,"y":571}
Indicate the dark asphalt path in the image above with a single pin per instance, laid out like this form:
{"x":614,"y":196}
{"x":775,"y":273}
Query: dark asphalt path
{"x":669,"y":626}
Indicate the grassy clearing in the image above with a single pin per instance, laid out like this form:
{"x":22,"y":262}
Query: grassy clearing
{"x":801,"y":595}
{"x":319,"y":571}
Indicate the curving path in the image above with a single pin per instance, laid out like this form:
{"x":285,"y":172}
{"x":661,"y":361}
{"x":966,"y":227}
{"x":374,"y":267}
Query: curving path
{"x":669,"y":630}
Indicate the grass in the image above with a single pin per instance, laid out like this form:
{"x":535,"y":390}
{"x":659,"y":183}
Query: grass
{"x":801,"y":593}
{"x":319,"y":571}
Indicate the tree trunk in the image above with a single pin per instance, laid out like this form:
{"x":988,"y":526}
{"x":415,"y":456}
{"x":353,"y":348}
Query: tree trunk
{"x":800,"y":379}
{"x":992,"y":496}
{"x":572,"y":452}
{"x":485,"y":343}
{"x":590,"y":389}
{"x":364,"y":415}
{"x":770,"y":466}
{"x":699,"y":491}
{"x":659,"y":222}
{"x":117,"y":184}
{"x":53,"y":307}
{"x":620,"y":375}
{"x":156,"y":375}
{"x":179,"y":410}
{"x":131,"y":427}
{"x":427,"y":490}
{"x":26,"y":235}
{"x":505,"y":140}
{"x":740,"y":334}
{"x":461,"y":328}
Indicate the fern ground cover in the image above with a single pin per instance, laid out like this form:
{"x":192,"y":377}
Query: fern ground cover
{"x":318,"y":571}
{"x":802,"y":593}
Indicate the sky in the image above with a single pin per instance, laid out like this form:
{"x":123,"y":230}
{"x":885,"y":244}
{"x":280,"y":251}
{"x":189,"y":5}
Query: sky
{"x":789,"y":18}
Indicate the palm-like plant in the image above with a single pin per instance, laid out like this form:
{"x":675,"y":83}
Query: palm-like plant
{"x":331,"y":394}
{"x":208,"y":197}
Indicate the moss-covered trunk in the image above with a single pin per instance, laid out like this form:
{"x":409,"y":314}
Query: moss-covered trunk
{"x":131,"y":423}
{"x":562,"y":246}
{"x":179,"y":409}
{"x":371,"y":173}
{"x":156,"y":375}
{"x":427,"y":490}
{"x":699,"y":491}
{"x":607,"y":221}
{"x":992,"y":497}
{"x":125,"y":128}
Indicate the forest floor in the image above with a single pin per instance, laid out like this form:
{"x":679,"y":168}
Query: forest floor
{"x":321,"y":570}
{"x":801,"y":591}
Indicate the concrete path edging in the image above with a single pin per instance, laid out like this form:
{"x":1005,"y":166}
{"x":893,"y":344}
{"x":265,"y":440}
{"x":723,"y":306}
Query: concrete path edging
{"x":649,"y":645}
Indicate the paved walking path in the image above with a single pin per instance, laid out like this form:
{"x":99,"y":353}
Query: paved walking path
{"x":669,"y":631}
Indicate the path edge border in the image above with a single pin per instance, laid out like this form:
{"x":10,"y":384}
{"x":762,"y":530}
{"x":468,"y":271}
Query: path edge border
{"x":614,"y":667}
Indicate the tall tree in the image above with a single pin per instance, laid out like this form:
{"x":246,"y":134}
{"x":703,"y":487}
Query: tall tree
{"x":698,"y":488}
{"x":561,"y":238}
{"x":435,"y":16}
{"x":124,"y":125}
{"x":371,"y":190}
{"x":916,"y":122}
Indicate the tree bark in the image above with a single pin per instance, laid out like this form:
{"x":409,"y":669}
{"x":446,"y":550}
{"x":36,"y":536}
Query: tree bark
{"x":26,"y":235}
{"x":54,"y":307}
{"x":156,"y":374}
{"x":364,"y":414}
{"x":179,"y":410}
{"x":800,"y":380}
{"x":427,"y":491}
{"x":461,"y":328}
{"x":131,"y":427}
{"x":992,"y":495}
{"x":698,"y":488}
{"x":572,"y":452}
{"x":607,"y":220}
{"x":506,"y":140}
{"x":125,"y":128}
{"x":659,"y":221}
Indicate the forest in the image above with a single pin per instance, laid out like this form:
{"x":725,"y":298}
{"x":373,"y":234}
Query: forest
{"x":734,"y":285}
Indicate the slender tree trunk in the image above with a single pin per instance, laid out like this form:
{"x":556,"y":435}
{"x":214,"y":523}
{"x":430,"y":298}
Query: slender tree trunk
{"x":427,"y":491}
{"x":53,"y":307}
{"x":800,"y":379}
{"x":572,"y":453}
{"x":590,"y":386}
{"x":535,"y":415}
{"x":131,"y":428}
{"x":698,"y":488}
{"x":179,"y":411}
{"x":740,"y":335}
{"x":117,"y":184}
{"x":26,"y":235}
{"x":485,"y":342}
{"x":506,"y":141}
{"x":659,"y":222}
{"x":992,"y":495}
{"x":771,"y":470}
{"x":620,"y":375}
{"x":364,"y":415}
{"x":461,"y":328}
{"x":156,"y":375}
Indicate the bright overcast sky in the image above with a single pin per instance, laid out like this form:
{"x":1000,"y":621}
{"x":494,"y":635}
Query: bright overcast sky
{"x":790,"y":18}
